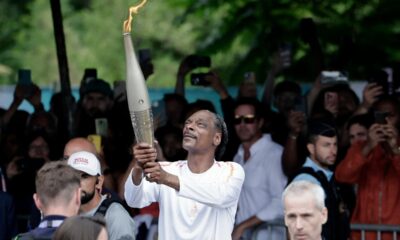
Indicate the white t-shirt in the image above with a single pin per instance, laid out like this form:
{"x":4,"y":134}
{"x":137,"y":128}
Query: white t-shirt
{"x":203,"y":209}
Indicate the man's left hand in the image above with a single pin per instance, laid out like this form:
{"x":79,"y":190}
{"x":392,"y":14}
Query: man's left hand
{"x":237,"y":232}
{"x":154,"y":172}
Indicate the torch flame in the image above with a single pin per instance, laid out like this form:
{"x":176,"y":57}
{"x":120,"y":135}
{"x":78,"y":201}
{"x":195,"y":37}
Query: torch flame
{"x":132,"y":10}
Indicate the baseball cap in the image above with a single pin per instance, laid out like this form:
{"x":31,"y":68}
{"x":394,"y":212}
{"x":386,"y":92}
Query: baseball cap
{"x":98,"y":86}
{"x":86,"y":162}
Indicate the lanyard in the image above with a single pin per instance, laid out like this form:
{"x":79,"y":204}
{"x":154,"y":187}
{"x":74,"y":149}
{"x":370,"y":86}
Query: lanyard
{"x":50,"y":223}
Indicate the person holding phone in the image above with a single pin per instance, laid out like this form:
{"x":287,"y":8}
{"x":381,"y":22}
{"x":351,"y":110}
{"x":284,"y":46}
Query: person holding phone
{"x":374,"y":165}
{"x":96,"y":103}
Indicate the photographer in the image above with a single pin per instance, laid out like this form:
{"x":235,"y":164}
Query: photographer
{"x":374,"y":165}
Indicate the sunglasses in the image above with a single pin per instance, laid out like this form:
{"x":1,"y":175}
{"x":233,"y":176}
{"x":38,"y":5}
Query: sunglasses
{"x":248,"y":119}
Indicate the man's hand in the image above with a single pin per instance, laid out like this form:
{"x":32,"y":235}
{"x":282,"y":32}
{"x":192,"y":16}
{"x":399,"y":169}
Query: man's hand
{"x":370,"y":94}
{"x":184,"y":67}
{"x":391,"y":135}
{"x":237,"y":232}
{"x":375,"y":136}
{"x":296,"y":121}
{"x":217,"y":84}
{"x":19,"y":93}
{"x":35,"y":98}
{"x":154,"y":173}
{"x":142,"y":153}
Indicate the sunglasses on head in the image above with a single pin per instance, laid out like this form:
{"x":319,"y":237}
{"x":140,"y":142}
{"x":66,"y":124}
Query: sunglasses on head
{"x":248,"y":119}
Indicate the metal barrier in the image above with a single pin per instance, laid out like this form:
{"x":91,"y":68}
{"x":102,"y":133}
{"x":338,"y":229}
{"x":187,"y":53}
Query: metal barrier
{"x":378,"y":228}
{"x":362,"y":228}
{"x":270,"y":227}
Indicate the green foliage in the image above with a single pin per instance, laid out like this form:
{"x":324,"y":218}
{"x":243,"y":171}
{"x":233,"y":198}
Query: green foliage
{"x":260,"y":26}
{"x":239,"y":35}
{"x":94,"y":39}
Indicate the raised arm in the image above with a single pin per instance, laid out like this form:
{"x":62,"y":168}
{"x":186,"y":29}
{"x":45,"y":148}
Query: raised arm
{"x":277,"y":66}
{"x":19,"y":95}
{"x":350,"y":169}
{"x":140,"y":193}
{"x":183,"y":70}
{"x":370,"y":96}
{"x":291,"y":161}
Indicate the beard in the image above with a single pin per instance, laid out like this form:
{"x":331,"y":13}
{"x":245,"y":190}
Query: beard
{"x":87,"y":197}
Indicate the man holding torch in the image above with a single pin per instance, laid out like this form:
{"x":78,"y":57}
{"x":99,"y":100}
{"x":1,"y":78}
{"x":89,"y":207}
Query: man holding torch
{"x":198,"y":197}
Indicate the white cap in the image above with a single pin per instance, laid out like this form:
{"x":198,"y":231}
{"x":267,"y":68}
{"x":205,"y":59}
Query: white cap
{"x":86,"y":162}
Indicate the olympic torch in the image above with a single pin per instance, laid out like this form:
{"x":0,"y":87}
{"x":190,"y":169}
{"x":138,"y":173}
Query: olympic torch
{"x":137,"y":93}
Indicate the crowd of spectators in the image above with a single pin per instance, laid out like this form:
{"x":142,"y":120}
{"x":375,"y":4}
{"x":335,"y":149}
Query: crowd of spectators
{"x":350,"y":144}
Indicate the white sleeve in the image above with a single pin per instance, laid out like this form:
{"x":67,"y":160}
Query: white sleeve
{"x":142,"y":195}
{"x":221,"y":191}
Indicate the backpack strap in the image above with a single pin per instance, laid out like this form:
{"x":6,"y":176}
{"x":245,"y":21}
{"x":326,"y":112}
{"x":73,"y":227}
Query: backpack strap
{"x":101,"y":211}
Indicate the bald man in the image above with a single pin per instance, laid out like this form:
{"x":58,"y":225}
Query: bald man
{"x":100,"y":190}
{"x":78,"y":144}
{"x":83,"y":144}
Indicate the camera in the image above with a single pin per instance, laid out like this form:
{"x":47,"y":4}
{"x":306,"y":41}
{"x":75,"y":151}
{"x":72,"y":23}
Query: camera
{"x":380,"y":117}
{"x":199,"y":79}
{"x":328,"y":77}
{"x":25,"y":80}
{"x":195,"y":61}
{"x":24,"y":77}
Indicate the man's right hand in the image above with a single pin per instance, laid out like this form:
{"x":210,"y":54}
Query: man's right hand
{"x":143,"y":153}
{"x":370,"y":94}
{"x":375,"y":136}
{"x":296,"y":121}
{"x":217,"y":84}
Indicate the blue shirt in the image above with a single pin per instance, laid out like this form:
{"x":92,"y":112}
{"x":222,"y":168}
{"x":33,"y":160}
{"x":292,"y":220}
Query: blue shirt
{"x":307,"y":177}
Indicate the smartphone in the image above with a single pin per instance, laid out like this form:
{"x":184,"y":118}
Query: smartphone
{"x":96,"y":140}
{"x":195,"y":61}
{"x":389,"y":80}
{"x":285,"y":53}
{"x":328,"y":77}
{"x":199,"y":79}
{"x":101,"y":126}
{"x":380,"y":117}
{"x":144,"y":55}
{"x":24,"y":77}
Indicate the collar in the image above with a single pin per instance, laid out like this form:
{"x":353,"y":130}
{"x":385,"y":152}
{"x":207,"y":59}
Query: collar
{"x":310,"y":163}
{"x":52,"y":221}
{"x":261,"y":143}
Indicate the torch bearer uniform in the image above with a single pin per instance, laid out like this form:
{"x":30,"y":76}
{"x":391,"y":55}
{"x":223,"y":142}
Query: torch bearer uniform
{"x":205,"y":206}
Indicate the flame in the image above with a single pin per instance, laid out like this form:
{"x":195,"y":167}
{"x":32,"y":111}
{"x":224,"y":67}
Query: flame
{"x":132,"y":10}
